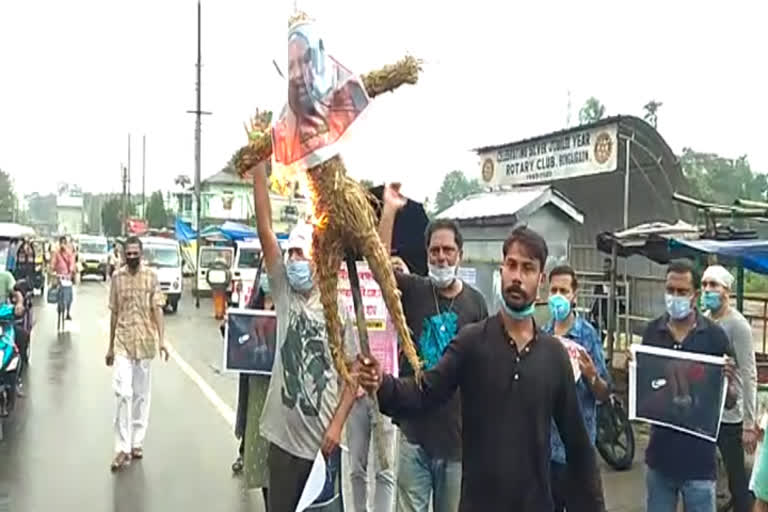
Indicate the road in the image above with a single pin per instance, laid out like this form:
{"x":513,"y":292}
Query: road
{"x":58,"y":447}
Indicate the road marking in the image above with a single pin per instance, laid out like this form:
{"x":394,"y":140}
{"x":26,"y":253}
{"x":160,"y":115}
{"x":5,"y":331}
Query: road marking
{"x":225,"y":410}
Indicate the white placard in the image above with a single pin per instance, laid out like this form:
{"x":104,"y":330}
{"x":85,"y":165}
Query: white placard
{"x":567,"y":155}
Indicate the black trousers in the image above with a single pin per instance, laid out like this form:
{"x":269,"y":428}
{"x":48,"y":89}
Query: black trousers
{"x":287,"y":476}
{"x":559,"y":482}
{"x":732,"y":451}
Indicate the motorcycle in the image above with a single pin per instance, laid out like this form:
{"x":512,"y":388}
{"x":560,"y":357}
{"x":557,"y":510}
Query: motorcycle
{"x":615,"y":437}
{"x":10,"y":362}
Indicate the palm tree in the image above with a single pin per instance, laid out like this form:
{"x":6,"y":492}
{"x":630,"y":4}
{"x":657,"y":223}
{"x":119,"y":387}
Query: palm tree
{"x":182,"y":180}
{"x":592,"y":111}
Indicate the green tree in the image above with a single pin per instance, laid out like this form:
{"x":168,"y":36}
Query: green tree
{"x":157,"y":217}
{"x":182,"y":180}
{"x":592,"y":111}
{"x":112,"y":215}
{"x":722,"y":180}
{"x":367,"y":184}
{"x":651,"y":109}
{"x":455,"y":187}
{"x":8,"y":200}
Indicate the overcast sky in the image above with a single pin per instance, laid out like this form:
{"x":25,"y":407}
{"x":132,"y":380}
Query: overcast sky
{"x":77,"y":76}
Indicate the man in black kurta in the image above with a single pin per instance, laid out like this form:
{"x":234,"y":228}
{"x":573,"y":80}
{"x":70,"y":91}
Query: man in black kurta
{"x":513,"y":379}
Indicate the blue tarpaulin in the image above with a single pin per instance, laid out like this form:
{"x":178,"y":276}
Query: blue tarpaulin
{"x":184,"y":231}
{"x":751,"y":254}
{"x":237,"y":231}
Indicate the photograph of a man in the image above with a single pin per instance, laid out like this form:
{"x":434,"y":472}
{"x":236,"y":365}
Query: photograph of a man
{"x":324,"y":98}
{"x":250,"y":341}
{"x":684,"y":393}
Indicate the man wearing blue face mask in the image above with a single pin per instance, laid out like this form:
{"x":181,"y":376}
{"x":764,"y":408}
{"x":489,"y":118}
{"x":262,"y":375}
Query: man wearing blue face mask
{"x":737,"y":429}
{"x":680,"y":464}
{"x":306,"y":404}
{"x":436,"y":308}
{"x":593,"y":383}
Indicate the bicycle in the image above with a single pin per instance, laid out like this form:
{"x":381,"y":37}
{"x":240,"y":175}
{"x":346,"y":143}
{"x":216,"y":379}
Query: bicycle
{"x":64,"y":300}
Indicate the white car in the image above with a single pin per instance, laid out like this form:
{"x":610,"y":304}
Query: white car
{"x":164,"y":256}
{"x":93,"y":255}
{"x":244,"y":270}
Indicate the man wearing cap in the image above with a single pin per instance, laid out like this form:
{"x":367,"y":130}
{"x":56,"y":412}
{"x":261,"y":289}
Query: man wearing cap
{"x":306,"y":405}
{"x":737,"y":429}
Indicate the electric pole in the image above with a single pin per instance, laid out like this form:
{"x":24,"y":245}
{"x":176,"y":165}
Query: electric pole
{"x":198,"y":113}
{"x":128,"y":180}
{"x":124,"y":180}
{"x":143,"y":176}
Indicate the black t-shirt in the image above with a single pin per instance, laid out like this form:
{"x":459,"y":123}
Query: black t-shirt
{"x":675,"y":454}
{"x":434,"y":321}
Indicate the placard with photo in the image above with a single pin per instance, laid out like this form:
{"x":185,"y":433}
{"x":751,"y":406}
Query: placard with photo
{"x":250,"y":337}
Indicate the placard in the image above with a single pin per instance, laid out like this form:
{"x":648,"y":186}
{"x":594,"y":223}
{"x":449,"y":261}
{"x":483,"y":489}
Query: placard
{"x":250,"y":337}
{"x":382,"y":337}
{"x":681,"y":390}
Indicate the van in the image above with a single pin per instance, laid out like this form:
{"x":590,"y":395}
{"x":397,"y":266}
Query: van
{"x":163,"y":255}
{"x":93,"y":254}
{"x":208,"y":255}
{"x":244,"y":270}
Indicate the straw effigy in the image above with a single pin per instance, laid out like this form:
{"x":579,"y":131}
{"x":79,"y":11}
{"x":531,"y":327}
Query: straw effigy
{"x":346,"y":220}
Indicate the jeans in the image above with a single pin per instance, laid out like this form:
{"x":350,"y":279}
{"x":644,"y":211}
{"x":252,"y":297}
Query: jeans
{"x":361,"y":422}
{"x":420,"y":476}
{"x":662,"y":492}
{"x":732,"y":450}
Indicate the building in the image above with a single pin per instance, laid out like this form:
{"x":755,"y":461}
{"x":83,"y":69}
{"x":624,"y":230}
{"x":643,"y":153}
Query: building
{"x":226,"y":196}
{"x":487,"y":218}
{"x":69,"y":214}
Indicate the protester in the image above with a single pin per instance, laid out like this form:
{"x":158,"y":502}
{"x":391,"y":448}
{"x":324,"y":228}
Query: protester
{"x":251,"y":395}
{"x":362,"y":421}
{"x":514,"y":379}
{"x":435,"y":308}
{"x":299,"y":417}
{"x":113,"y":261}
{"x":737,"y":429}
{"x":7,"y":283}
{"x":679,"y":463}
{"x":593,"y":383}
{"x":64,"y":269}
{"x":136,"y":334}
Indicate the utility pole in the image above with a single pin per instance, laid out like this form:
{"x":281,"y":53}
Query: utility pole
{"x":129,"y":172}
{"x":198,"y":113}
{"x":124,"y":180}
{"x":143,"y":176}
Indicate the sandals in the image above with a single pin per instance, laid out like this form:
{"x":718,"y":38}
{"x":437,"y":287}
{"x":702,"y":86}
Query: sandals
{"x":237,"y":466}
{"x":121,"y":460}
{"x":137,"y":453}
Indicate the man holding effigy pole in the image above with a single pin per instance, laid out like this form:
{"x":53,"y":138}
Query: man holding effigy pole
{"x":513,"y":379}
{"x":307,"y":403}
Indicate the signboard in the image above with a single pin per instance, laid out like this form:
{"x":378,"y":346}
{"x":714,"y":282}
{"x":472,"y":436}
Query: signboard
{"x":680,"y":390}
{"x":382,"y":337}
{"x":568,"y":155}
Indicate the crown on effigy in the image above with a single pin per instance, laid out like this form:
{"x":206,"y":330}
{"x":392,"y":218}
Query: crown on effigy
{"x":297,"y":18}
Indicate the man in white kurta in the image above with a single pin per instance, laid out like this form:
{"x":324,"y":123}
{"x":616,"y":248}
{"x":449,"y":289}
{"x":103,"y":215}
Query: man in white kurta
{"x":136,"y":335}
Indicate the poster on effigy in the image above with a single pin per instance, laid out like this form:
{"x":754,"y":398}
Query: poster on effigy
{"x":681,"y":390}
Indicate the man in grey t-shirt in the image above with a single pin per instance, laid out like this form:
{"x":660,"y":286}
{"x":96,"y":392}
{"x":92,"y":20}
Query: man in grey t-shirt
{"x":304,"y":410}
{"x":737,"y":429}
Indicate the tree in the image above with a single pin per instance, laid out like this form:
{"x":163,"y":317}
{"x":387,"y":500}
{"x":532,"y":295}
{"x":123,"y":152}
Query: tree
{"x":157,"y":217}
{"x":182,"y":180}
{"x":112,"y":215}
{"x":455,"y":187}
{"x":722,"y":180}
{"x":8,"y":200}
{"x":367,"y":184}
{"x":592,"y":111}
{"x":651,"y":108}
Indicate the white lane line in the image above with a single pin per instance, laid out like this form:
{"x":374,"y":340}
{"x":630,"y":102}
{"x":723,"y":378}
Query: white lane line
{"x":225,"y":410}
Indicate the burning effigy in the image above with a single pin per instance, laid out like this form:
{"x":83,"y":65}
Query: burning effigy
{"x":324,"y":99}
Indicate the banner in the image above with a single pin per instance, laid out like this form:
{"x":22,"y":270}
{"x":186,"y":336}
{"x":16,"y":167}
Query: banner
{"x":382,"y":337}
{"x":681,"y":390}
{"x":561,"y":156}
{"x":250,"y":337}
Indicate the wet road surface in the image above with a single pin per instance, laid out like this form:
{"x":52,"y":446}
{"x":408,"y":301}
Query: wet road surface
{"x":58,"y":447}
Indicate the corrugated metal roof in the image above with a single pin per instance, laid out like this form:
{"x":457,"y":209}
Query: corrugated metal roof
{"x":500,"y":203}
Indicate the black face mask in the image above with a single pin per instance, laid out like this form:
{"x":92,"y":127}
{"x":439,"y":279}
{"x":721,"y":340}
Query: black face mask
{"x":133,"y":263}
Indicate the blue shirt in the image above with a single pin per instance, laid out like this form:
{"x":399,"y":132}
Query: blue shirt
{"x":583,"y":333}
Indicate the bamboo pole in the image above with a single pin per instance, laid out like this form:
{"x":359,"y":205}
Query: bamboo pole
{"x":362,"y":329}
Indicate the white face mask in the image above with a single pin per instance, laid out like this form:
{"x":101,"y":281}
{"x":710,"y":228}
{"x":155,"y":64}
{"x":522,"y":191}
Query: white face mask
{"x":442,"y":277}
